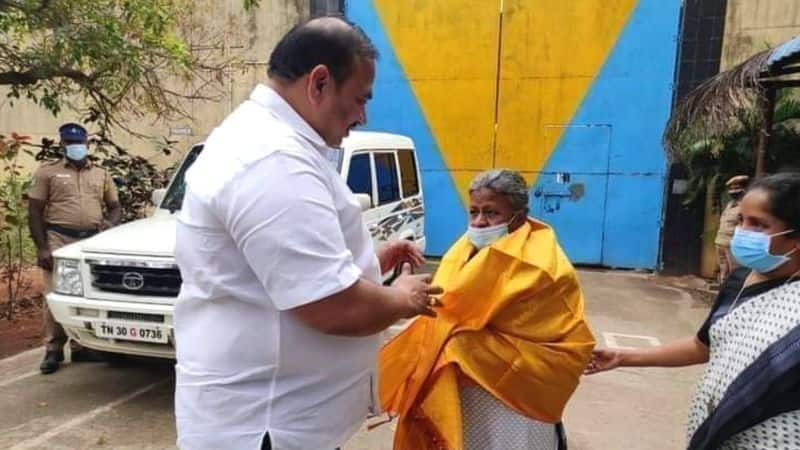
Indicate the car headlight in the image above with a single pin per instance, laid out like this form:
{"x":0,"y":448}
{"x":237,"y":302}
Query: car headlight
{"x":67,"y":277}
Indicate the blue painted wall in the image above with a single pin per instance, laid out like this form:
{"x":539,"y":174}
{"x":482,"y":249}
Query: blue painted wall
{"x":610,"y":202}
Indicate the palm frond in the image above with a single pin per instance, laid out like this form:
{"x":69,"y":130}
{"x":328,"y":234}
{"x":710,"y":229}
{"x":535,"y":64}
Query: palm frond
{"x":717,"y":103}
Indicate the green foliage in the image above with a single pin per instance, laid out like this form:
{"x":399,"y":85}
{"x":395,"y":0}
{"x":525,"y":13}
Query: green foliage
{"x":13,"y":186}
{"x":135,"y":176}
{"x":713,"y":159}
{"x":16,"y":248}
{"x":110,"y":61}
{"x":111,"y":56}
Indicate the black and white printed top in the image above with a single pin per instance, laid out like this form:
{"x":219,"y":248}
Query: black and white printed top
{"x":727,"y":296}
{"x":764,"y":313}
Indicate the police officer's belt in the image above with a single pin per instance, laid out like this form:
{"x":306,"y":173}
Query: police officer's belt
{"x":71,"y":232}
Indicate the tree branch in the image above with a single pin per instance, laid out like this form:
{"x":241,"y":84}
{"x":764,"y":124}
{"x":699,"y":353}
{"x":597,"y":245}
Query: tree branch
{"x":43,"y":5}
{"x":8,"y":4}
{"x":33,"y":76}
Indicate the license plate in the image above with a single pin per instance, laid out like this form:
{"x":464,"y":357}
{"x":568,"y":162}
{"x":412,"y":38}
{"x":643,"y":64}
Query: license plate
{"x":130,"y":332}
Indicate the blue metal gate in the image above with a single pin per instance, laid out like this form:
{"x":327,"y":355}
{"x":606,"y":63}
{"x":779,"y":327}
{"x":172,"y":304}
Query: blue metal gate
{"x":571,"y":195}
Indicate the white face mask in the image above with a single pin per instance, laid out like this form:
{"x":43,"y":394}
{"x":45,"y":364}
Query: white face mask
{"x":483,"y":237}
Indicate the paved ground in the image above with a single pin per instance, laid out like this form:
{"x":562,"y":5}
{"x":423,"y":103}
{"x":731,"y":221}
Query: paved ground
{"x":98,"y":406}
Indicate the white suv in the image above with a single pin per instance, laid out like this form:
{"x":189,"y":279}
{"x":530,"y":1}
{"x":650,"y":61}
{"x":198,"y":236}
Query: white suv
{"x":115,"y":292}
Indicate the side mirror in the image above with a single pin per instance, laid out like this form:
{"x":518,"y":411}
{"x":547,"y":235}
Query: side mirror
{"x":158,"y":196}
{"x":365,"y":201}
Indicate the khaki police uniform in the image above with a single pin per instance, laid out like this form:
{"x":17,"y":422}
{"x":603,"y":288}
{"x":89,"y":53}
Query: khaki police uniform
{"x":75,"y":200}
{"x":727,"y":224}
{"x":729,"y":220}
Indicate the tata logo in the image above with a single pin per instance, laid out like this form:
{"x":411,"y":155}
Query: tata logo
{"x":133,"y":281}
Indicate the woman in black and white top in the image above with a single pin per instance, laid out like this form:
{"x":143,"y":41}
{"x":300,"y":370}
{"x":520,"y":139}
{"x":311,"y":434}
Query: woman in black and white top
{"x":749,"y":395}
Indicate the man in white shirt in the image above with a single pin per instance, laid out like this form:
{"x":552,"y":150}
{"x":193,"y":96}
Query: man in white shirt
{"x":278,"y":317}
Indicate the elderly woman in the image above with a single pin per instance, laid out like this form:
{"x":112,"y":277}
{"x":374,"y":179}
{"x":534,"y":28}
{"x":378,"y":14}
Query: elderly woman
{"x":496,"y":367}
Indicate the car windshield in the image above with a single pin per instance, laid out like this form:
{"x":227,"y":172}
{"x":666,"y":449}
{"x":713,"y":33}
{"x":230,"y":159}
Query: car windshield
{"x":173,"y":200}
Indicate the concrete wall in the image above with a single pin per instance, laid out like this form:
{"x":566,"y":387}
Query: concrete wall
{"x":244,"y":36}
{"x":755,"y":25}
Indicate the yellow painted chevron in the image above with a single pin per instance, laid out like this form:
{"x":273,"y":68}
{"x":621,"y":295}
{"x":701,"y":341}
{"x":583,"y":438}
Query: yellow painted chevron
{"x":552,"y":51}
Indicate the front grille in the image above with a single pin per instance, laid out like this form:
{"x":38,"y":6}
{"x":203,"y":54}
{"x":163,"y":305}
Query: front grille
{"x":158,"y":282}
{"x":139,"y":317}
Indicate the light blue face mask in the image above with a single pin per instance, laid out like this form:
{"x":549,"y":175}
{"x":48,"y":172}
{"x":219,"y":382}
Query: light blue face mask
{"x":483,"y":237}
{"x":751,"y":249}
{"x":334,"y":156}
{"x":76,"y":152}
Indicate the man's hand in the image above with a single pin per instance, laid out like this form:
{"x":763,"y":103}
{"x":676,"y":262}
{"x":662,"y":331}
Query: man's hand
{"x":367,"y":308}
{"x":416,"y":293}
{"x":103,"y":225}
{"x":44,"y":259}
{"x":395,"y":253}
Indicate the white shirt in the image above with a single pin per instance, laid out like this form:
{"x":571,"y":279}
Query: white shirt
{"x":268,"y":225}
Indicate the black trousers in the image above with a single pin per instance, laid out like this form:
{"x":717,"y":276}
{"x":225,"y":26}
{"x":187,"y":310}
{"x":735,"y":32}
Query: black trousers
{"x":561,"y":434}
{"x":266,"y":444}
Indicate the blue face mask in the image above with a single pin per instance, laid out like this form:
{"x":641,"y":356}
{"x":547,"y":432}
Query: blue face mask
{"x":76,"y":152}
{"x":751,"y":249}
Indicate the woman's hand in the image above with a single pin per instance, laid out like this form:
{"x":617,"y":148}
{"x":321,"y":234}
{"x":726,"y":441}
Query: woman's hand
{"x":603,"y":359}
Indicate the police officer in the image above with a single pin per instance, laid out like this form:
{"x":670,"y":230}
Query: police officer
{"x":728,"y":221}
{"x":70,"y":200}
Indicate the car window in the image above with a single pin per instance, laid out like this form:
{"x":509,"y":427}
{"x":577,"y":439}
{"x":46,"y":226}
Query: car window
{"x":386,"y":173}
{"x":173,"y":200}
{"x":359,"y":178}
{"x":408,"y":172}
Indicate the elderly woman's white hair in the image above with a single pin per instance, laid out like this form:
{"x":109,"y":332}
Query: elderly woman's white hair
{"x":506,"y":182}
